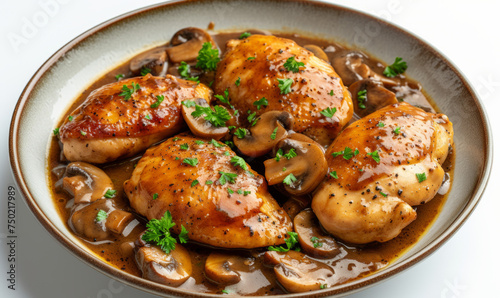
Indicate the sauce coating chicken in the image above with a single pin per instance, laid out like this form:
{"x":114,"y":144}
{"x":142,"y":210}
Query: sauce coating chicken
{"x":380,"y":166}
{"x":250,"y":69}
{"x":114,"y":123}
{"x":228,"y":206}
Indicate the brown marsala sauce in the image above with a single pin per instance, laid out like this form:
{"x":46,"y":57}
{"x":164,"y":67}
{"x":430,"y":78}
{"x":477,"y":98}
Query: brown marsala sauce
{"x":352,"y":263}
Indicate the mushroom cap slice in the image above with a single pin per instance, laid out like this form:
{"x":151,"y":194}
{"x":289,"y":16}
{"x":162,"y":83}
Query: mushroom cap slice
{"x":186,"y":43}
{"x":171,"y":269}
{"x":86,"y":182}
{"x":223,"y":268}
{"x":376,"y":97}
{"x":199,"y":126}
{"x":155,"y":60}
{"x":312,"y":239}
{"x":317,"y":51}
{"x":298,"y":273}
{"x":271,"y":127}
{"x":295,"y":204}
{"x":309,"y":166}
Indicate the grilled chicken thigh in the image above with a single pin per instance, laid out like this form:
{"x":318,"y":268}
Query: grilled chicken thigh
{"x":381,"y":166}
{"x":250,"y":69}
{"x":115,"y":123}
{"x":220,"y":203}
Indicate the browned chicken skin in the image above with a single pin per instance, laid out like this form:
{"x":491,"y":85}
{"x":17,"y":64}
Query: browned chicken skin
{"x":214,"y":214}
{"x":108,"y":126}
{"x":258,"y":62}
{"x":372,"y":201}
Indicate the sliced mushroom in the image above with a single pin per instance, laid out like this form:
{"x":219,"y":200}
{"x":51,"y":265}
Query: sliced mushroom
{"x":186,"y":43}
{"x":225,"y":268}
{"x":295,"y":204}
{"x":312,"y":239}
{"x":85,"y":222}
{"x":118,"y":220}
{"x":298,"y":273}
{"x":86,"y":182}
{"x":317,"y":51}
{"x":308,"y":167}
{"x":171,"y":269}
{"x":199,"y":126}
{"x":271,"y":127}
{"x":153,"y":61}
{"x":375,"y":97}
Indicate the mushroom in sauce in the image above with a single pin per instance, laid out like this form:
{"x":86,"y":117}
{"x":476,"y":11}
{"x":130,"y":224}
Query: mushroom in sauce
{"x":186,"y":43}
{"x":86,"y":183}
{"x":198,"y":125}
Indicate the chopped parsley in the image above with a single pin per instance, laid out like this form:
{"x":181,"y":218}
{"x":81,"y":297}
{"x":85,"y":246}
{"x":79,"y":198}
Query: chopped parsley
{"x":127,"y":92}
{"x":230,"y":191}
{"x":190,"y":161}
{"x":331,"y":93}
{"x":362,"y":99}
{"x":110,"y":193}
{"x":56,"y":131}
{"x":230,"y":144}
{"x":279,"y":154}
{"x":218,"y":116}
{"x":155,"y":196}
{"x":397,"y":130}
{"x":398,"y":67}
{"x":183,"y":236}
{"x":328,"y":112}
{"x":184,"y":70}
{"x":347,"y":153}
{"x":70,"y":118}
{"x":119,"y":76}
{"x":383,"y":194}
{"x":374,"y":155}
{"x":227,"y":177}
{"x":291,"y":154}
{"x":207,"y":57}
{"x":101,"y":215}
{"x":226,"y":153}
{"x":316,"y":243}
{"x":159,"y":100}
{"x":261,"y":102}
{"x":215,"y":143}
{"x":380,"y":124}
{"x":323,"y":286}
{"x":148,"y":117}
{"x":421,"y":177}
{"x":145,"y":71}
{"x":225,"y":291}
{"x":176,"y":139}
{"x":184,"y":146}
{"x":285,"y":85}
{"x":208,"y":182}
{"x":290,"y":179}
{"x":291,"y":243}
{"x":250,"y":58}
{"x":245,"y":35}
{"x":238,"y":81}
{"x":246,"y":192}
{"x":199,"y":142}
{"x":334,"y":174}
{"x":252,"y":119}
{"x":241,"y":132}
{"x":188,"y":103}
{"x":158,"y":232}
{"x":240,"y":162}
{"x":292,"y":65}
{"x":224,"y":98}
{"x":83,"y":133}
{"x":273,"y":134}
{"x":194,"y":182}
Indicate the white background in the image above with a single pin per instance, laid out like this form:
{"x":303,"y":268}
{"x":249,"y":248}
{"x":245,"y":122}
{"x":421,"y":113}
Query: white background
{"x":465,"y":31}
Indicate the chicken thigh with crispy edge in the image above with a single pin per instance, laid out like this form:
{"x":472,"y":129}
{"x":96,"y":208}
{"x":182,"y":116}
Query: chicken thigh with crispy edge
{"x":219,"y":203}
{"x":111,"y":125}
{"x":250,"y":69}
{"x":370,"y":193}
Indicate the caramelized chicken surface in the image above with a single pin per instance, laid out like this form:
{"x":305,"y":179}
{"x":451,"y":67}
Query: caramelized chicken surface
{"x":111,"y":125}
{"x":227,"y":207}
{"x":401,"y":149}
{"x":250,"y":69}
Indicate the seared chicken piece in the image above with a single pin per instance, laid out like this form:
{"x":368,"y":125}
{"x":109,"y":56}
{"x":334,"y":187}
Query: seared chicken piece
{"x":220,"y":203}
{"x":401,"y":149}
{"x":113,"y":123}
{"x":250,"y":70}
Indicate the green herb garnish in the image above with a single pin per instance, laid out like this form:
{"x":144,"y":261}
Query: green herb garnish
{"x":127,"y":92}
{"x":285,"y":85}
{"x":207,"y":57}
{"x":293,"y":65}
{"x":101,"y":215}
{"x":328,"y":112}
{"x":398,"y":67}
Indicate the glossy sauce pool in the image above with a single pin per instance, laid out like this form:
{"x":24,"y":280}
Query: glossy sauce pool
{"x":353,"y":262}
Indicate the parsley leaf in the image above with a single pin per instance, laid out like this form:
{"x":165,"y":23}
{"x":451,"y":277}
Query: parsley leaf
{"x":148,"y":117}
{"x":334,"y":174}
{"x":159,"y":100}
{"x":397,"y":130}
{"x":190,"y":161}
{"x":261,"y":102}
{"x":238,"y":161}
{"x":285,"y":85}
{"x":250,"y":58}
{"x":56,"y":131}
{"x":119,"y":76}
{"x":279,"y":154}
{"x":110,"y":193}
{"x":421,"y":177}
{"x":245,"y":35}
{"x":380,"y":124}
{"x":127,"y":92}
{"x":188,"y":103}
{"x":331,"y":93}
{"x":362,"y":99}
{"x":184,"y":70}
{"x":291,"y":154}
{"x":290,"y":179}
{"x":70,"y":118}
{"x":194,"y":182}
{"x":199,"y":142}
{"x":155,"y":196}
{"x":328,"y":112}
{"x":215,"y":143}
{"x":145,"y":71}
{"x":238,"y":81}
{"x":398,"y":67}
{"x":374,"y":155}
{"x":224,"y":98}
{"x":227,"y":177}
{"x":218,"y":116}
{"x":241,"y":133}
{"x":207,"y":57}
{"x":291,"y":242}
{"x":183,"y":236}
{"x":184,"y":146}
{"x":101,"y":215}
{"x":347,"y":153}
{"x":273,"y":134}
{"x":251,"y":118}
{"x":292,"y":65}
{"x":316,"y":243}
{"x":158,"y":232}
